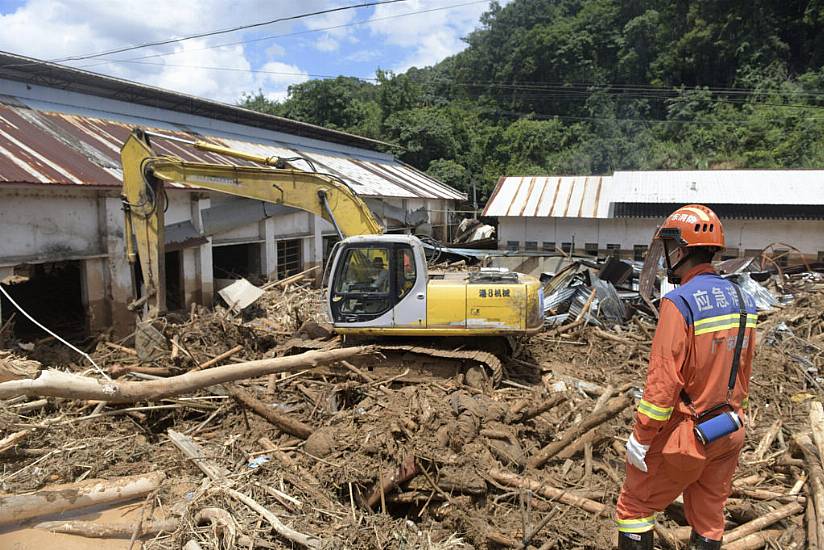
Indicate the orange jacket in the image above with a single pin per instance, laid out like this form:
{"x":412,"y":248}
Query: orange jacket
{"x":693,"y":349}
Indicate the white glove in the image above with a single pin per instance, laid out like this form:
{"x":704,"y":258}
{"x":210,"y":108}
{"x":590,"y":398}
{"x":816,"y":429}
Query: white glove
{"x":636,"y":453}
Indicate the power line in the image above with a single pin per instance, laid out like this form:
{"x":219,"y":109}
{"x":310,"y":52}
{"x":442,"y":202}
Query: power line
{"x":557,"y":94}
{"x":517,"y":114}
{"x":222,"y":31}
{"x":285,"y":35}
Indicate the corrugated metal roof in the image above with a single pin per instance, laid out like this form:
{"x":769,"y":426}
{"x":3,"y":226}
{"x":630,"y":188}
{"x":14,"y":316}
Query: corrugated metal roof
{"x":552,"y":196}
{"x":33,"y":71}
{"x":790,"y":193}
{"x":48,"y":147}
{"x":721,"y":186}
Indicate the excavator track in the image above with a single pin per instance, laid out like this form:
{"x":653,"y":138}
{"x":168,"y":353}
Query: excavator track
{"x":490,"y":361}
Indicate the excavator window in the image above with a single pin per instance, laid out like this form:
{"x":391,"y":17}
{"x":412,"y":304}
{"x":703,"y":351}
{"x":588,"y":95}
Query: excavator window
{"x":406,"y":270}
{"x":364,"y":281}
{"x":370,"y":279}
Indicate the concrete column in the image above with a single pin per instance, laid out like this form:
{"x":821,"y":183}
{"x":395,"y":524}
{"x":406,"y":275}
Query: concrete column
{"x":93,"y":283}
{"x":268,"y":250}
{"x":191,"y":276}
{"x":203,"y":255}
{"x":120,"y":291}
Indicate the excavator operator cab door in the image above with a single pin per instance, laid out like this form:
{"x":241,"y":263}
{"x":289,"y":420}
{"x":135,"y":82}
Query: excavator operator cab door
{"x":369,"y":279}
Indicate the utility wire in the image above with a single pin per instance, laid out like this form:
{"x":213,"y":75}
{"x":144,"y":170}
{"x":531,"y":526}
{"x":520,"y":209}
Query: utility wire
{"x":297,"y":33}
{"x":221,"y":31}
{"x":558,"y":94}
{"x":36,"y":322}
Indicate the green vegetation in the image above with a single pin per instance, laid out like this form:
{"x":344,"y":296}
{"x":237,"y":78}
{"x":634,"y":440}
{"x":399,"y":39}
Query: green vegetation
{"x":593,"y":86}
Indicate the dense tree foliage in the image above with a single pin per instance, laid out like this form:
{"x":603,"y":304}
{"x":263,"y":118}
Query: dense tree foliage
{"x":593,"y":86}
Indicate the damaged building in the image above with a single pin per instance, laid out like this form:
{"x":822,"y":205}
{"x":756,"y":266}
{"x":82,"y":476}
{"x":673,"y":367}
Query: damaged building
{"x":618,"y":214}
{"x":62,"y":255}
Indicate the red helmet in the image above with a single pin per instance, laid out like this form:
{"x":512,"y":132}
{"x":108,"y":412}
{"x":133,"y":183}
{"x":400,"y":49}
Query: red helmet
{"x":693,"y":225}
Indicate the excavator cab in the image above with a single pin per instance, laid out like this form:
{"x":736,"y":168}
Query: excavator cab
{"x":377,"y":281}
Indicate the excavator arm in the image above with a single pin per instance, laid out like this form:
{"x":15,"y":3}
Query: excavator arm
{"x":144,"y":199}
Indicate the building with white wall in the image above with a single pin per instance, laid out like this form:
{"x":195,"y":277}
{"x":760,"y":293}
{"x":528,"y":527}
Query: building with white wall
{"x":61,"y":222}
{"x":601,"y":214}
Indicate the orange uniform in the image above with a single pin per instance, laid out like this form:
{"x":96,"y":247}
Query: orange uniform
{"x":692,"y":350}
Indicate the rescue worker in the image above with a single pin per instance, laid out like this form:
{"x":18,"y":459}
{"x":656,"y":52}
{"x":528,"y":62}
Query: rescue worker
{"x":689,"y":373}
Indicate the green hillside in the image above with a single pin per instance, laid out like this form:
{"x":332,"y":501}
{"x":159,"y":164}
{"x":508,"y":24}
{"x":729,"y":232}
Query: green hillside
{"x":593,"y":86}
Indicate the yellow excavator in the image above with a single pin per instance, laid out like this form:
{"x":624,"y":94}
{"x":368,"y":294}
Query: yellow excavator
{"x":378,"y":284}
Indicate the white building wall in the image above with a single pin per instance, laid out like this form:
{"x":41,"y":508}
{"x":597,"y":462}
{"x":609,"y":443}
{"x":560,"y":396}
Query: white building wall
{"x":37,"y":224}
{"x":806,"y":235}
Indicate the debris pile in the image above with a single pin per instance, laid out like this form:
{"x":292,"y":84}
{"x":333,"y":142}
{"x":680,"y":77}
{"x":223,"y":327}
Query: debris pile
{"x":255,"y":428}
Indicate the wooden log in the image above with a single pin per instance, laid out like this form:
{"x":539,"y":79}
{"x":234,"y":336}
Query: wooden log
{"x":600,"y":403}
{"x":289,"y":280}
{"x":119,"y":371}
{"x":54,"y":383}
{"x":815,"y":482}
{"x":542,"y":407}
{"x":513,"y":480}
{"x":766,"y":441}
{"x":764,"y":494}
{"x":754,"y":541}
{"x":817,"y":425}
{"x":613,"y":337}
{"x":811,"y":526}
{"x":11,"y":440}
{"x":74,"y":496}
{"x":124,"y":349}
{"x":667,"y":537}
{"x":613,"y":408}
{"x":593,"y":437}
{"x":390,"y":481}
{"x":283,"y":421}
{"x":763,"y":522}
{"x":214,"y":361}
{"x":91,"y":529}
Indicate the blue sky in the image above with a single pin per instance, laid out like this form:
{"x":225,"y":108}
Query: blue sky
{"x":352,"y":42}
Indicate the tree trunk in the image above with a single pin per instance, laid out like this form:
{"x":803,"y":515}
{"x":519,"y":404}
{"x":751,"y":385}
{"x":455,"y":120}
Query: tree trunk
{"x":62,"y":498}
{"x":53,"y":383}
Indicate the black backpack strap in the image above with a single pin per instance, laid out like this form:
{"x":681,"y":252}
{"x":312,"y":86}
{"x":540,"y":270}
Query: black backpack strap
{"x":739,"y":341}
{"x":736,"y":357}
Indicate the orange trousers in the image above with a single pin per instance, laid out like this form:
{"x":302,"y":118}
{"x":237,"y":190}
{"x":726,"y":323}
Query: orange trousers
{"x":705,"y":491}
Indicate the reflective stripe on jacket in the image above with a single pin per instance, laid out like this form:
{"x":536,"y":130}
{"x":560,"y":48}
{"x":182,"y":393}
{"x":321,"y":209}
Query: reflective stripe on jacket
{"x":693,"y":349}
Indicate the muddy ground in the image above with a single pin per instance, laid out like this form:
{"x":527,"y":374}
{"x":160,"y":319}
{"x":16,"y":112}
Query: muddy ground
{"x":406,"y":450}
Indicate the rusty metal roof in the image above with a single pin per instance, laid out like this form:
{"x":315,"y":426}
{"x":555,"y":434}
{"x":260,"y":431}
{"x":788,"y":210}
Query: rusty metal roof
{"x":34,"y":72}
{"x":550,"y":196}
{"x":50,"y":147}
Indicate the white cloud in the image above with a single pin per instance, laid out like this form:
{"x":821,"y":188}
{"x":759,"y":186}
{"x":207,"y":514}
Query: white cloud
{"x":54,"y":29}
{"x":432,"y":36}
{"x":362,"y":56}
{"x":275,"y":50}
{"x":326,"y":44}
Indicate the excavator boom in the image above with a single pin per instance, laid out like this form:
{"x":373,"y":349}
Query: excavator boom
{"x":144,"y":174}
